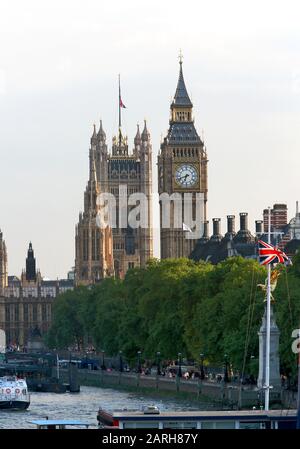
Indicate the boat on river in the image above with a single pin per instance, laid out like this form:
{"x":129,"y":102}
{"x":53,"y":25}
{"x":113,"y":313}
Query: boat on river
{"x":153,"y":418}
{"x":13,"y":393}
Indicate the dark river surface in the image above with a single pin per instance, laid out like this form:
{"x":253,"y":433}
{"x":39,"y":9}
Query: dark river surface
{"x":82,"y":406}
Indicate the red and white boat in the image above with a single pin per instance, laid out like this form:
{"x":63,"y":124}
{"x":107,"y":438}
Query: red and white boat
{"x":13,"y":393}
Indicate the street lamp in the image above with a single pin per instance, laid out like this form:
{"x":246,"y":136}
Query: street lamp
{"x":202,"y":374}
{"x":139,"y":368}
{"x":121,"y":362}
{"x":103,"y":364}
{"x":158,"y":363}
{"x":226,"y":377}
{"x":179,"y":372}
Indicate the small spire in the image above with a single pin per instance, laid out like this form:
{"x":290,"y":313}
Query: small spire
{"x":94,"y":135}
{"x":101,"y":134}
{"x":180,"y":57}
{"x":181,"y":97}
{"x":145,"y":133}
{"x":137,"y":139}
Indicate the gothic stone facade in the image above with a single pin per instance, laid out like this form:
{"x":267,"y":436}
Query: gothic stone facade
{"x":26,"y":303}
{"x":99,"y":255}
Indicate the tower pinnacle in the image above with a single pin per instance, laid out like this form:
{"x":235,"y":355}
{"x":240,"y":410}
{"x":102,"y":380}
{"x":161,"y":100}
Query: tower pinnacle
{"x":181,"y":97}
{"x":180,"y":57}
{"x":145,"y":133}
{"x":30,"y":265}
{"x":137,"y":139}
{"x":101,"y":134}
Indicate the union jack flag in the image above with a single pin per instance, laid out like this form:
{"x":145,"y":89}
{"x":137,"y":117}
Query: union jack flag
{"x":271,"y":254}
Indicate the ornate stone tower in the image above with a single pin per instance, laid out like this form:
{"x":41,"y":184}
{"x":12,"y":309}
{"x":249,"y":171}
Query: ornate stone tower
{"x":3,"y":264}
{"x":182,"y":168}
{"x":30,"y":265}
{"x":94,"y":256}
{"x":124,"y":176}
{"x":128,"y":176}
{"x":30,"y":276}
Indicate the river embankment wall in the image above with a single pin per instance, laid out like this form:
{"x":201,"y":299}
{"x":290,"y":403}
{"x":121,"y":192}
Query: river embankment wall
{"x":212,"y":393}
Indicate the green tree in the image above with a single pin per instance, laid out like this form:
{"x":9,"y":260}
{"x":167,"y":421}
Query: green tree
{"x":177,"y":305}
{"x":67,"y":325}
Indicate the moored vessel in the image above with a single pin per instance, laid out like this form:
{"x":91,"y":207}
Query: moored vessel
{"x":13,"y":393}
{"x":152,"y":417}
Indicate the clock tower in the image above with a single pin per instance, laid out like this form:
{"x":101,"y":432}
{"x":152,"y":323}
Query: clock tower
{"x":182,"y":179}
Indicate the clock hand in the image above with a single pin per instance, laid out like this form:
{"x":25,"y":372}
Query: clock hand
{"x":184,"y":177}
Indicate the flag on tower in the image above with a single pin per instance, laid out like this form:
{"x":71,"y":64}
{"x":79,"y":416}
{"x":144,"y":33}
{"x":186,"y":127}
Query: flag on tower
{"x":271,"y":254}
{"x":122,"y":105}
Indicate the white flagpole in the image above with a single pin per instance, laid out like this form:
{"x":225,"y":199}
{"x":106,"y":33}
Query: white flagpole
{"x":267,"y":374}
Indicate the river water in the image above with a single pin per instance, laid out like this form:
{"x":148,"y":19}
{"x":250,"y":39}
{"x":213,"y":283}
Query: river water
{"x":81,"y":406}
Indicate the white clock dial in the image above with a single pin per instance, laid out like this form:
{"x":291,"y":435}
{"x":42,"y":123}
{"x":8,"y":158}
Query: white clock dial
{"x":186,"y":175}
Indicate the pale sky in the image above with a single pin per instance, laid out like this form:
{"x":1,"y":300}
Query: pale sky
{"x":59,"y":66}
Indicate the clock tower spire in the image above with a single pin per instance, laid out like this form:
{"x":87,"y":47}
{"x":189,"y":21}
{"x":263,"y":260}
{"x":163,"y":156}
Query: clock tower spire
{"x":182,"y":170}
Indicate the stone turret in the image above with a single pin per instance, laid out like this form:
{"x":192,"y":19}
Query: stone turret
{"x":100,"y":156}
{"x":30,"y":265}
{"x":137,"y":139}
{"x":101,"y":136}
{"x":93,"y":243}
{"x":145,"y":133}
{"x":94,"y":136}
{"x":146,"y":233}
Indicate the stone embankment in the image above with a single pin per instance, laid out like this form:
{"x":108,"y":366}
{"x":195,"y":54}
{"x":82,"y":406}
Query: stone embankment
{"x":229,"y":395}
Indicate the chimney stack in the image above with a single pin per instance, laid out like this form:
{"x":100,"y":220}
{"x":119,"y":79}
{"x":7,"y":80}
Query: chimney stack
{"x":230,"y":224}
{"x":216,"y":226}
{"x":216,"y":237}
{"x":206,"y":230}
{"x":244,"y":221}
{"x":258,"y":227}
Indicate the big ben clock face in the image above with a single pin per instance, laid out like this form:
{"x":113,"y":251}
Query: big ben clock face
{"x":186,"y":176}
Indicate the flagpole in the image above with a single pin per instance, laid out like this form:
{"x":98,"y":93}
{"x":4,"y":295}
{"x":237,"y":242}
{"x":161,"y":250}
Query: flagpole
{"x":119,"y":111}
{"x":119,"y":102}
{"x":267,"y":374}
